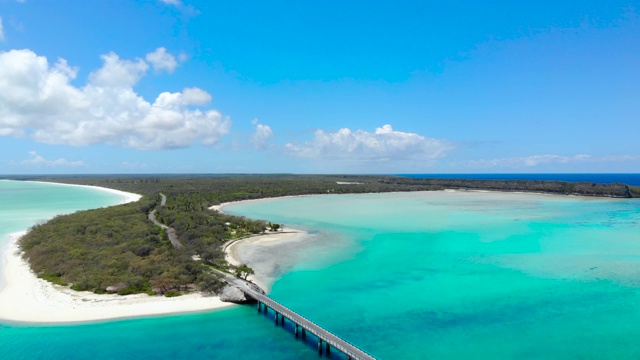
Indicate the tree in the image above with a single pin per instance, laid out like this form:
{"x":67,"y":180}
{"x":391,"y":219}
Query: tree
{"x":274,"y":227}
{"x":243,"y":271}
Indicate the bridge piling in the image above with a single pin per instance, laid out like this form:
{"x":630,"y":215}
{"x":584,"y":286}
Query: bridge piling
{"x":302,"y":325}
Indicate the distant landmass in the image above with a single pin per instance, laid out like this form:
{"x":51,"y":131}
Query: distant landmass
{"x":628,"y":179}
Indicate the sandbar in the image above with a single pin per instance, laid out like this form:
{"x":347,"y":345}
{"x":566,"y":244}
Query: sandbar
{"x":127,"y":197}
{"x":239,"y":251}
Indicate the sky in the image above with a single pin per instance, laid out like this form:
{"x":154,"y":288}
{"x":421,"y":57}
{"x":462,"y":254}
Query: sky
{"x":369,"y":87}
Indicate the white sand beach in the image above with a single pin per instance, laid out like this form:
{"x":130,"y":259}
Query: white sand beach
{"x":127,"y":197}
{"x":249,"y":250}
{"x":26,"y":298}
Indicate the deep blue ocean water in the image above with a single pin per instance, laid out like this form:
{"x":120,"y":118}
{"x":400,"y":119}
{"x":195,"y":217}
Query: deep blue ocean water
{"x":451,"y":275}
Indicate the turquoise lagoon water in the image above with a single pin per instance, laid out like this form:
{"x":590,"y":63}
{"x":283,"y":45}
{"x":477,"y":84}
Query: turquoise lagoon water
{"x":460,"y":275}
{"x":448,"y":275}
{"x":24,"y":204}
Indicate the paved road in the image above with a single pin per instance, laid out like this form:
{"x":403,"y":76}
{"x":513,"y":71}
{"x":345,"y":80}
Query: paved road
{"x":325,"y":335}
{"x":171,"y":233}
{"x":255,"y":292}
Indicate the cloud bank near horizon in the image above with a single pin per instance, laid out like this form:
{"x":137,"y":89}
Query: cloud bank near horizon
{"x":384,"y":144}
{"x":37,"y":160}
{"x":537,"y":160}
{"x":39,"y":101}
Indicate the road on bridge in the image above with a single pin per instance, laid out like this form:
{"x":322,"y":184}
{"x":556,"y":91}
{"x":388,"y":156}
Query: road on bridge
{"x":338,"y":343}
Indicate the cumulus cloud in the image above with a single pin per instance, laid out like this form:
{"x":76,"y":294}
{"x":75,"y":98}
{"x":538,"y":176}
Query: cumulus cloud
{"x":261,"y":135}
{"x":535,"y":160}
{"x":385,"y":144}
{"x":160,"y":59}
{"x":195,"y":96}
{"x":39,"y":160}
{"x":116,"y":72}
{"x":37,"y":100}
{"x":172,"y":2}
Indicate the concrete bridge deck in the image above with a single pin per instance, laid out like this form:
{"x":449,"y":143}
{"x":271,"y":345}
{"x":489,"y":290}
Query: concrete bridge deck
{"x":282,"y":312}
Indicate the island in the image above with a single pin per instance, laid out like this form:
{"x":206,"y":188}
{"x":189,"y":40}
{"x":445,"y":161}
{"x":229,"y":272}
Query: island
{"x":170,"y":242}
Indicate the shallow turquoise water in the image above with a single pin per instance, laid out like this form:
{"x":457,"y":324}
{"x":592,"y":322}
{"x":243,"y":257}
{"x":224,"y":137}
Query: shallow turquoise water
{"x":23,"y":204}
{"x":468,"y":274}
{"x":428,"y":275}
{"x":233,"y":333}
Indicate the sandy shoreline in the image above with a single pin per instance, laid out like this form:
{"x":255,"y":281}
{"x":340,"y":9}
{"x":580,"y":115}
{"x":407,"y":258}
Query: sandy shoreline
{"x":27,"y":299}
{"x":264,"y":270}
{"x":127,"y":197}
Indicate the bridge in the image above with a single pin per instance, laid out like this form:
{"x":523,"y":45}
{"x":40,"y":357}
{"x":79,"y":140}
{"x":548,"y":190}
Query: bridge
{"x":326,"y":339}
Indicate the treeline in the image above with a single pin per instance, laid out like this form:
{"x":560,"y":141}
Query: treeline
{"x":550,"y":187}
{"x":117,"y":249}
{"x":206,"y":190}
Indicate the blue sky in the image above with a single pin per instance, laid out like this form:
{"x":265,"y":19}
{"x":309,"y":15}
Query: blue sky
{"x":172,"y":86}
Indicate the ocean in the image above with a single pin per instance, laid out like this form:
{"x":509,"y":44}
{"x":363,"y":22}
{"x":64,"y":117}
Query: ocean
{"x":447,"y":275}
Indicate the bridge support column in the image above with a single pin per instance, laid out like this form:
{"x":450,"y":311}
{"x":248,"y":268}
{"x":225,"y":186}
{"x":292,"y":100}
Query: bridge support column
{"x":328,"y":349}
{"x":320,"y":347}
{"x":259,"y":307}
{"x":281,"y":320}
{"x":296,"y":331}
{"x":277,"y":318}
{"x":304,"y":334}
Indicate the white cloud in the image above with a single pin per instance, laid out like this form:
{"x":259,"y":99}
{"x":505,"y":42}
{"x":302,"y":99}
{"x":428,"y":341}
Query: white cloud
{"x":161,"y":60}
{"x":261,"y":136}
{"x":195,"y":96}
{"x":118,"y":73}
{"x":1,"y":30}
{"x":187,"y":10}
{"x":385,"y":144}
{"x":172,"y":2}
{"x":39,"y":160}
{"x":38,"y":101}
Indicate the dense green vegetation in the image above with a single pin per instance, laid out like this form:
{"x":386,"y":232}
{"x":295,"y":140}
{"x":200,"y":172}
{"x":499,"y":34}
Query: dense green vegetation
{"x":118,"y":249}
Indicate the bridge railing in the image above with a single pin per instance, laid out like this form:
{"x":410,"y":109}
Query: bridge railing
{"x":313,"y":331}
